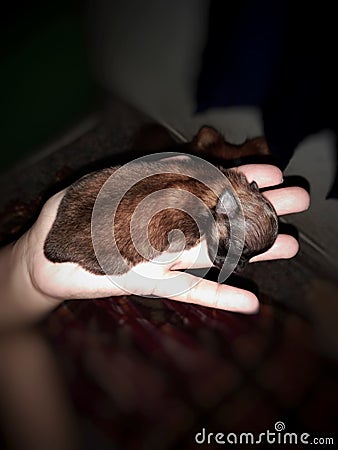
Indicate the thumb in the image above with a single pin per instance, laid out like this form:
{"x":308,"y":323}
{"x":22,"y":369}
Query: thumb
{"x":184,"y":287}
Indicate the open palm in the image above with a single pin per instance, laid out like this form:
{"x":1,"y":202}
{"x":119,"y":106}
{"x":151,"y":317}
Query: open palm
{"x":62,"y":281}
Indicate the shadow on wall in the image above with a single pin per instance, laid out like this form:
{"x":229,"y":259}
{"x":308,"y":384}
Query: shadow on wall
{"x":44,"y":78}
{"x":277,"y":57}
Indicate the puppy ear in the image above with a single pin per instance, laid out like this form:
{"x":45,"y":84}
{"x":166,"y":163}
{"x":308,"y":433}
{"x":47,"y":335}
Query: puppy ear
{"x":227,"y":204}
{"x":206,"y":137}
{"x":254,"y":186}
{"x":258,"y":146}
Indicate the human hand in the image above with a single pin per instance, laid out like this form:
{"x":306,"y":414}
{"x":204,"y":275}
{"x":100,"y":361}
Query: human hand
{"x":60,"y":281}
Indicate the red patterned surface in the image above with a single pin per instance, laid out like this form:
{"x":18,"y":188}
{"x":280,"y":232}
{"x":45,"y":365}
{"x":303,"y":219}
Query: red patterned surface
{"x":152,"y":373}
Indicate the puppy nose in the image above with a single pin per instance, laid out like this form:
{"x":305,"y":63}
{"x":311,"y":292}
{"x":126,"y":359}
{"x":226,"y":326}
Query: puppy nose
{"x":241,"y":264}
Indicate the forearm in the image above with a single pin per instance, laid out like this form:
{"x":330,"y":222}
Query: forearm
{"x":21,"y":303}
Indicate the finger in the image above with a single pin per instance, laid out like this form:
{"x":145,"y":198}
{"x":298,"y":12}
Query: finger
{"x":285,"y":247}
{"x":264,"y":174}
{"x":191,"y":289}
{"x":289,"y":200}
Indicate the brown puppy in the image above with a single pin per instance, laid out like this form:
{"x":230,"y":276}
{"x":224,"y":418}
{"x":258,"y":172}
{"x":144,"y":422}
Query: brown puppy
{"x":193,"y":203}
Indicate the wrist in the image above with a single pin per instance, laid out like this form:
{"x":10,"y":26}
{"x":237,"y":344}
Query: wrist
{"x":22,"y":302}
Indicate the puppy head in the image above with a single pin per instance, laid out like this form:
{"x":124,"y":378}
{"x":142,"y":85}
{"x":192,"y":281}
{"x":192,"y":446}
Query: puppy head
{"x":260,"y":220}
